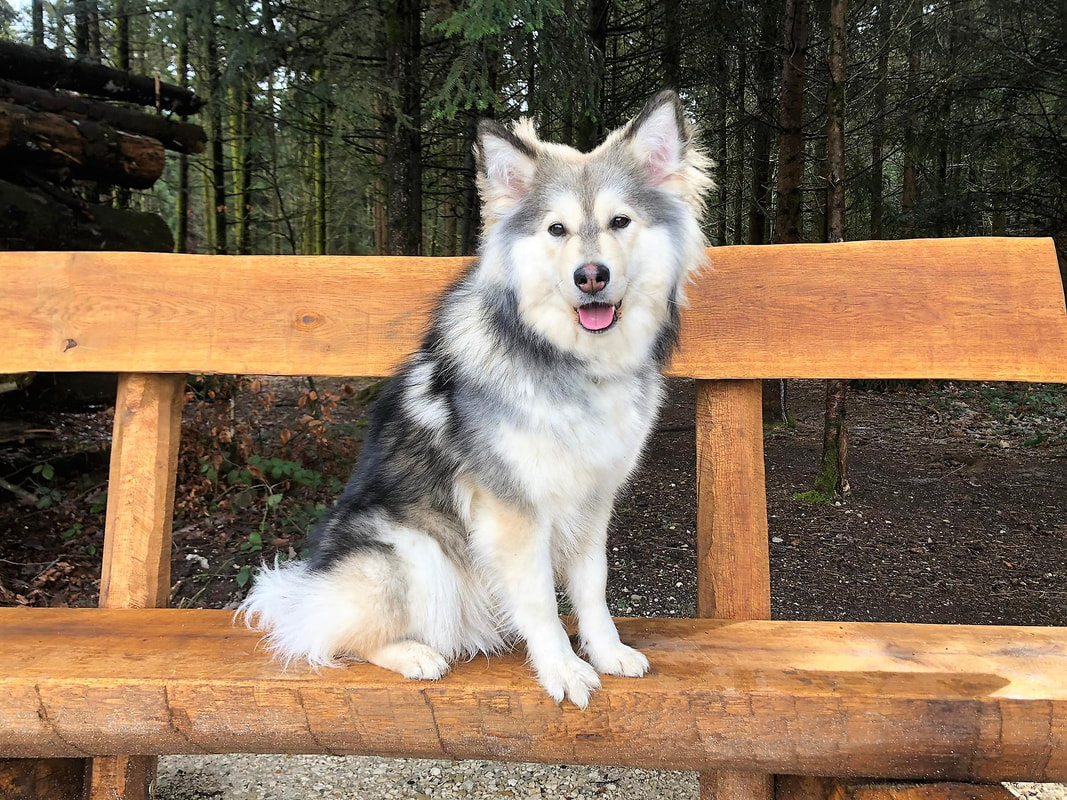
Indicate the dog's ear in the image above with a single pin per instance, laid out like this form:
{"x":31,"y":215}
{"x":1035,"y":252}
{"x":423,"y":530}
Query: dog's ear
{"x":659,"y":136}
{"x":506,"y":166}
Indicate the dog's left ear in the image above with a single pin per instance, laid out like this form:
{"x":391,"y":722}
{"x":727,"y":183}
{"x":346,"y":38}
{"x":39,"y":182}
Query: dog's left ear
{"x":659,"y":135}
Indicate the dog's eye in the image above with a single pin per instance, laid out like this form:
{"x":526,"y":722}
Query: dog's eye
{"x":619,"y":222}
{"x":556,"y":229}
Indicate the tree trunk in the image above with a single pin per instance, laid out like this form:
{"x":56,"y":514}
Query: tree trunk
{"x":760,"y":198}
{"x":832,"y":479}
{"x":217,"y":164}
{"x":181,"y":202}
{"x":884,"y":26}
{"x":672,"y":46}
{"x":739,"y":143}
{"x":37,"y":12}
{"x":591,"y":119}
{"x":81,"y":28}
{"x":788,"y":221}
{"x":319,"y":168}
{"x":910,"y":194}
{"x":787,"y":224}
{"x":471,"y":207}
{"x":403,"y":127}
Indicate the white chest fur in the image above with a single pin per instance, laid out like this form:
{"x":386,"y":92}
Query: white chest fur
{"x":566,"y":449}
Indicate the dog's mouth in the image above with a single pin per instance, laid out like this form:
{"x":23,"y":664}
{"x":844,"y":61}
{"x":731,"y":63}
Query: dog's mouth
{"x":598,"y":317}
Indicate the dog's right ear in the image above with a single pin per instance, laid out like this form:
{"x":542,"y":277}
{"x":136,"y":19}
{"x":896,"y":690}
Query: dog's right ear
{"x":506,"y":166}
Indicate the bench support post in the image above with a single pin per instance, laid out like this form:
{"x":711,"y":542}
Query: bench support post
{"x":733,"y":560}
{"x":794,"y":787}
{"x":137,"y":536}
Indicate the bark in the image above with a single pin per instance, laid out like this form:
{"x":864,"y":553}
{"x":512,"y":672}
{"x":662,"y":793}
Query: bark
{"x":471,"y":208}
{"x":835,"y":133}
{"x":591,"y":120}
{"x":672,"y":47}
{"x":402,"y":124}
{"x":832,"y":479}
{"x":44,"y":219}
{"x":218,"y":164}
{"x":884,"y":26}
{"x":85,"y":150}
{"x":760,"y":197}
{"x":724,"y":133}
{"x":42,"y":779}
{"x":183,"y":137}
{"x":739,"y":144}
{"x":122,"y":32}
{"x":910,"y":192}
{"x":791,"y":120}
{"x":47,"y":68}
{"x":181,"y":203}
{"x":81,"y":28}
{"x":787,"y":228}
{"x":319,"y":172}
{"x":37,"y":12}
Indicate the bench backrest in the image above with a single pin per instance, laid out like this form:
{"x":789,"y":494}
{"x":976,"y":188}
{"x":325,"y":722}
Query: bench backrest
{"x":983,"y":308}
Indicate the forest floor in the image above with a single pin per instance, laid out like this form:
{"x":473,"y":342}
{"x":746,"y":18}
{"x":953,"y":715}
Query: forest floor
{"x":958,"y":512}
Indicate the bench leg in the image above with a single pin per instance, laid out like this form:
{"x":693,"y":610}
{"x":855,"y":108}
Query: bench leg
{"x":792,"y":787}
{"x":137,"y":538}
{"x":733,"y":559}
{"x":41,"y":778}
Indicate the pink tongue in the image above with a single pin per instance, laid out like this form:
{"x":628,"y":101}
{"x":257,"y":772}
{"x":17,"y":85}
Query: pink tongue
{"x":596,"y":317}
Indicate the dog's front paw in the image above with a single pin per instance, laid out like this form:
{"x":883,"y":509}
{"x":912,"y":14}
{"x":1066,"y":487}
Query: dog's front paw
{"x":618,"y":659}
{"x":569,"y":677}
{"x":411,"y":659}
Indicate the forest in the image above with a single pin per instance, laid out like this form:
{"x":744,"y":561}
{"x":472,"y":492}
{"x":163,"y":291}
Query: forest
{"x":346,"y":128}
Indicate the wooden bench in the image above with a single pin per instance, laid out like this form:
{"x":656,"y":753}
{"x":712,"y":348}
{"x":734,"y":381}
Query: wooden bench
{"x":733,"y":692}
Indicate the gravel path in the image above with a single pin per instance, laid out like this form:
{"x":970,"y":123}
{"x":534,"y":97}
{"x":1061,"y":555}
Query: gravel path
{"x":267,"y":777}
{"x":255,"y":777}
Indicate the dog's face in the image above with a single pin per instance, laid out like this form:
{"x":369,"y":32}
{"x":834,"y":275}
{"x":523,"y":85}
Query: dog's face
{"x":598,"y":245}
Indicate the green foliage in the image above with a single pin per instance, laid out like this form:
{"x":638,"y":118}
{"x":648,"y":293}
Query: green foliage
{"x":1035,"y":414}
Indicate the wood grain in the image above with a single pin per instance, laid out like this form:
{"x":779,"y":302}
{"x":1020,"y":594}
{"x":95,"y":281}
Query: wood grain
{"x":733,"y":560}
{"x":980,"y":308}
{"x":902,"y":701}
{"x":41,"y":779}
{"x":803,"y":788}
{"x":137,"y":534}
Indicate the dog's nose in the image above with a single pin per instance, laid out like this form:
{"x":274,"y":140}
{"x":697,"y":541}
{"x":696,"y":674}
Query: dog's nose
{"x":591,"y":278}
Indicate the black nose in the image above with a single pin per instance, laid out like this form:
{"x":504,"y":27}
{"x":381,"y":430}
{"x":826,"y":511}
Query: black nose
{"x":591,"y":278}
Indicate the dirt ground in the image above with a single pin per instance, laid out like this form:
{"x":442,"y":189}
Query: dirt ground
{"x":958,"y":511}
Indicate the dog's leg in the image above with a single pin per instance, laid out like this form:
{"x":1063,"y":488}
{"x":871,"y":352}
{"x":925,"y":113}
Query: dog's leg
{"x":515,"y":549}
{"x":586,"y":574}
{"x":411,"y":659}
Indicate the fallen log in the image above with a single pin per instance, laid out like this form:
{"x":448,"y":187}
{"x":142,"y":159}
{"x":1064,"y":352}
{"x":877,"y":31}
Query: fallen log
{"x":88,"y":149}
{"x":31,"y":220}
{"x":38,"y":67}
{"x":182,"y":137}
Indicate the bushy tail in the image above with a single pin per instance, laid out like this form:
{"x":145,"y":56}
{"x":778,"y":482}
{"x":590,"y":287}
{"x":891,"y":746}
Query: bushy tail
{"x":301,"y":614}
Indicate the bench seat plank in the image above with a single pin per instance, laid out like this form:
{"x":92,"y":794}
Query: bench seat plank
{"x":978,"y":309}
{"x":848,"y":699}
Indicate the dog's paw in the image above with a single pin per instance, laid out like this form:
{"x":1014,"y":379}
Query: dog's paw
{"x":411,"y":659}
{"x":618,"y":659}
{"x":569,"y":678}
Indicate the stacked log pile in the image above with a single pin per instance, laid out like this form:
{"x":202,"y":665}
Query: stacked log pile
{"x":67,"y":132}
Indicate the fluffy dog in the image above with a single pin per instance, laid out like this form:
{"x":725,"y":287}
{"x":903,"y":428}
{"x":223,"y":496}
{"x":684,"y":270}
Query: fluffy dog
{"x":494,"y":456}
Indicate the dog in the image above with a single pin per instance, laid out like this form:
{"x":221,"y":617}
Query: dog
{"x":493,"y":457}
